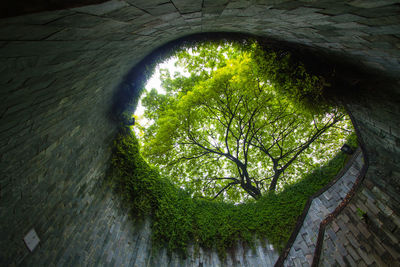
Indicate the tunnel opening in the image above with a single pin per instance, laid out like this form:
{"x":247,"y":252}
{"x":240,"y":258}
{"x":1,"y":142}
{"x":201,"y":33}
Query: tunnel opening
{"x":54,"y":154}
{"x":166,"y":225}
{"x":199,"y":65}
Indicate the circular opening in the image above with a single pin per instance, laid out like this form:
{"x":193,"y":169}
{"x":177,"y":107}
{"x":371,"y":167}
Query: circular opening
{"x":232,"y":121}
{"x":213,"y":123}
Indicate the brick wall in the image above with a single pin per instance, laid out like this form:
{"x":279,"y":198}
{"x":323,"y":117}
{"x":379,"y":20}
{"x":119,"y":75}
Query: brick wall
{"x":60,"y":70}
{"x":371,"y":239}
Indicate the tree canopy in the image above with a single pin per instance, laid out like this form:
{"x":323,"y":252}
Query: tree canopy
{"x":232,"y":128}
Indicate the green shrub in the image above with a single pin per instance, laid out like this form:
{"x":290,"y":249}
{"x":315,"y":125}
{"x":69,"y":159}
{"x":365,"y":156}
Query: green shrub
{"x":178,"y":219}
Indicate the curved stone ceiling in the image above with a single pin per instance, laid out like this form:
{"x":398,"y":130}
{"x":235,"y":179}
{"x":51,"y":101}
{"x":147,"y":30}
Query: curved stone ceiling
{"x":60,"y":71}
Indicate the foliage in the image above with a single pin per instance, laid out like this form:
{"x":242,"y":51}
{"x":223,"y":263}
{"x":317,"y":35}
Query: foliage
{"x":180,"y":214}
{"x":292,"y":79}
{"x":225,"y":131}
{"x":178,"y":219}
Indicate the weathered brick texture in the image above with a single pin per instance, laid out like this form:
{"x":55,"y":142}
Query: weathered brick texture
{"x":302,"y":250}
{"x":60,"y":70}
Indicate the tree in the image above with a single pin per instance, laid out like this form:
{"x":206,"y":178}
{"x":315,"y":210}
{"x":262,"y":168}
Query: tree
{"x":225,"y":126}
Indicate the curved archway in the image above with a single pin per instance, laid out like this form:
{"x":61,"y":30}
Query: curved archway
{"x":60,"y":70}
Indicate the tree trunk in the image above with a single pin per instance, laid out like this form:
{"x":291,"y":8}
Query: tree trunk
{"x":246,"y":183}
{"x":252,"y":190}
{"x":274,"y":181}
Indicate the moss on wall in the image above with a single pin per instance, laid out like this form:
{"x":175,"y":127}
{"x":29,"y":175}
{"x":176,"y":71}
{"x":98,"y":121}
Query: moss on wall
{"x":178,"y":219}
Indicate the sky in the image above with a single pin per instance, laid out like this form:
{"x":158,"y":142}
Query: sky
{"x":155,"y":82}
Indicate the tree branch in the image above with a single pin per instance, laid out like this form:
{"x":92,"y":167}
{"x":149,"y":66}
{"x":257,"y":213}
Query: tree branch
{"x":223,"y":189}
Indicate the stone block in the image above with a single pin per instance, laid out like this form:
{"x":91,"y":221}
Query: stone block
{"x":372,"y":3}
{"x":78,"y":21}
{"x":349,"y":261}
{"x":162,"y":9}
{"x":41,"y":18}
{"x":145,"y":4}
{"x":353,"y":253}
{"x":211,"y":3}
{"x":364,"y":256}
{"x":187,"y":7}
{"x":27,"y":32}
{"x":345,"y":18}
{"x":126,"y":14}
{"x":288,"y":5}
{"x":102,"y":8}
{"x":380,"y":12}
{"x":238,"y":4}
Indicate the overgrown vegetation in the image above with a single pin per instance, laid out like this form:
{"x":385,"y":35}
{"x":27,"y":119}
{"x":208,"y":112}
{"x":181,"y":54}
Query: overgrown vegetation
{"x":233,"y":127}
{"x":178,"y":219}
{"x":179,"y":216}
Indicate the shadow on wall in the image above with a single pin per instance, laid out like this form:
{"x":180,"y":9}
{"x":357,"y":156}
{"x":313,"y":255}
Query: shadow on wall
{"x":9,"y":8}
{"x":348,"y":82}
{"x":128,"y":93}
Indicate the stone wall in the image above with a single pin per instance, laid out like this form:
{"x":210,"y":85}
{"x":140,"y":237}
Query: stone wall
{"x":301,"y":252}
{"x":355,"y":239}
{"x":60,"y":71}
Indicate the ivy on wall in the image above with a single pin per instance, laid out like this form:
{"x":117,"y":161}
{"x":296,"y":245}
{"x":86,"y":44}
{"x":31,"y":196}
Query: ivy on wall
{"x":178,"y":219}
